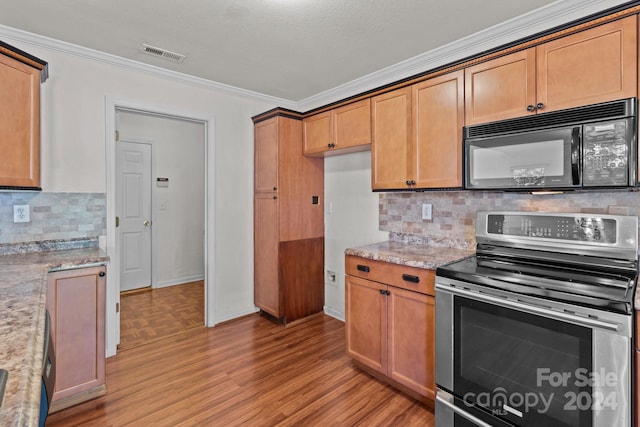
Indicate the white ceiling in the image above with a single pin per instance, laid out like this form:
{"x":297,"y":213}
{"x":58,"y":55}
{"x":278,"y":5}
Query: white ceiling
{"x":288,"y":49}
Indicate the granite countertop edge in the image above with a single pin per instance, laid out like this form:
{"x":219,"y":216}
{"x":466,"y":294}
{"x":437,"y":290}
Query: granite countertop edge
{"x":410,"y":254}
{"x":23,"y":289}
{"x":425,"y":256}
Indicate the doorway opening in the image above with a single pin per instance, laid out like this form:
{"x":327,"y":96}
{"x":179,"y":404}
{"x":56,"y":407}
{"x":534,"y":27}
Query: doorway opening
{"x":179,"y":222}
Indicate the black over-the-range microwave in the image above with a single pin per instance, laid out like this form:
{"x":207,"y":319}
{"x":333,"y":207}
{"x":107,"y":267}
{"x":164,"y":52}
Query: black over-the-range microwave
{"x":579,"y":148}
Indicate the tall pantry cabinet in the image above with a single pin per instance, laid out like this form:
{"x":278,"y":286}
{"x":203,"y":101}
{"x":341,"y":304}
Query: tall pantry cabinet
{"x":288,"y":221}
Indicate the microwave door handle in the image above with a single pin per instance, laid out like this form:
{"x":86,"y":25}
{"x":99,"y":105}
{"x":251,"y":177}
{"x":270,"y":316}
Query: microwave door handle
{"x":575,"y":155}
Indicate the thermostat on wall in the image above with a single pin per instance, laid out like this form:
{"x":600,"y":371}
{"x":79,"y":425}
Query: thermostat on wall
{"x":162,"y":182}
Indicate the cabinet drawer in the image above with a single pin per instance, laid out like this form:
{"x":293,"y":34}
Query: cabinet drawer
{"x":401,"y":276}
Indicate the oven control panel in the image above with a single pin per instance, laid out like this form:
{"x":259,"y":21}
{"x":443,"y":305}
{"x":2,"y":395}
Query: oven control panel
{"x":572,"y":228}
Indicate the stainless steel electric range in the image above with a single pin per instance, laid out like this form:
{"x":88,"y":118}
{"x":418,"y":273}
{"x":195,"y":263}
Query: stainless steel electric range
{"x":535,"y":329}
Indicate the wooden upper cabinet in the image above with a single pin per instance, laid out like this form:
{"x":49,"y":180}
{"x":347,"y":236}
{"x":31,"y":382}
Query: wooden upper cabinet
{"x":438,"y":116}
{"x":417,"y":135}
{"x":501,"y":88}
{"x":592,"y":66}
{"x":342,"y":130}
{"x":266,"y":156}
{"x":317,"y":133}
{"x":19,"y":124}
{"x":352,"y":125}
{"x":588,"y":67}
{"x":391,"y":140}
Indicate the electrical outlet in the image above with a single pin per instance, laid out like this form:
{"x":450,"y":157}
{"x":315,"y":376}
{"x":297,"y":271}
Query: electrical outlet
{"x":426,"y":211}
{"x":21,"y":213}
{"x":331,"y":278}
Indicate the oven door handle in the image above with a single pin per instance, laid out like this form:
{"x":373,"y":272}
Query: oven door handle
{"x":534,"y":309}
{"x":475,"y":420}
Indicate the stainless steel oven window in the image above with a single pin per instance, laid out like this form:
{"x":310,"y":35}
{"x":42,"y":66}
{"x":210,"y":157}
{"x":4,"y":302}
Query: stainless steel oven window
{"x":610,"y":353}
{"x":521,"y":367}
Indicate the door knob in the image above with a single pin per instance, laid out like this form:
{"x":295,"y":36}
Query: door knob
{"x":146,"y":223}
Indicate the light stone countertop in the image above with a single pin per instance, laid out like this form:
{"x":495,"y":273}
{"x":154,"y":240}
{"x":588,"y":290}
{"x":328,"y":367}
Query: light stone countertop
{"x":425,"y":256}
{"x":23,"y":289}
{"x":410,"y":254}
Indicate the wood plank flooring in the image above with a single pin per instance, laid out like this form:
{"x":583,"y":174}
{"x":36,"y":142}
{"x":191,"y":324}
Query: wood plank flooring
{"x":246,"y":372}
{"x":155,"y":314}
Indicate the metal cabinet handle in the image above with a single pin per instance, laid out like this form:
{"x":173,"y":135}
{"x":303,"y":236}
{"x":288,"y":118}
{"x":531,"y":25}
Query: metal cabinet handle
{"x":102,"y":274}
{"x":530,"y":308}
{"x":410,"y":278}
{"x":540,"y":106}
{"x":530,"y":108}
{"x":463,"y":414}
{"x":364,"y":268}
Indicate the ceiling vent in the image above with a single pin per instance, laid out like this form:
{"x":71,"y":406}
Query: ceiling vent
{"x":162,"y":53}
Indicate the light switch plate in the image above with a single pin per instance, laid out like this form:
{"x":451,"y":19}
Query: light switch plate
{"x":21,"y":213}
{"x":426,"y":211}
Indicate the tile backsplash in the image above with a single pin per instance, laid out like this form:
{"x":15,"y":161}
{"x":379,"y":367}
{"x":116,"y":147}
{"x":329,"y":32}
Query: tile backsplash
{"x":53,"y":216}
{"x":454,"y":212}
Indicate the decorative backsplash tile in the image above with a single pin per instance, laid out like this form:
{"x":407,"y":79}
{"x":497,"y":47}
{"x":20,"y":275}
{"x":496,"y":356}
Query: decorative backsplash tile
{"x":454,"y":212}
{"x":53,"y":216}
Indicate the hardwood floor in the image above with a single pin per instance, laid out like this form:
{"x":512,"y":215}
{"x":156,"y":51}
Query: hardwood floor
{"x":155,"y":314}
{"x":246,"y":372}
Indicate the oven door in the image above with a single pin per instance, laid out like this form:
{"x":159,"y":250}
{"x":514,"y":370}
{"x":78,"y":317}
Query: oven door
{"x":524,"y":161}
{"x":528,"y":362}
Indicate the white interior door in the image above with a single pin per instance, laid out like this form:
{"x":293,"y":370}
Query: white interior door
{"x":133,"y":208}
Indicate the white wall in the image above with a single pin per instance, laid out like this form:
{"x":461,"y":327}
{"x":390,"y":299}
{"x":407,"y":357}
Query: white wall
{"x":177,"y":210}
{"x":353,"y":220}
{"x":74,"y":144}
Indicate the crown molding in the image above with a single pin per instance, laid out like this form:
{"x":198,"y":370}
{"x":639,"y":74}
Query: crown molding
{"x":15,"y":35}
{"x":553,"y":15}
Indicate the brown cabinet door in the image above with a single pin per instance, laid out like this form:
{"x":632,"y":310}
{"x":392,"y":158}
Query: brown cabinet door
{"x":266,"y":241}
{"x":588,"y":67}
{"x":352,"y":125}
{"x":317,"y":133}
{"x":501,"y":88}
{"x":19,"y":124}
{"x":76,"y":303}
{"x":438,"y":116}
{"x":366,"y":322}
{"x":391,"y":148}
{"x":411,"y":340}
{"x":266,"y":156}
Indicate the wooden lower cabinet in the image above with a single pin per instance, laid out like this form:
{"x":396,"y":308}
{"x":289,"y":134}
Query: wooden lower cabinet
{"x":76,"y":304}
{"x":390,"y":329}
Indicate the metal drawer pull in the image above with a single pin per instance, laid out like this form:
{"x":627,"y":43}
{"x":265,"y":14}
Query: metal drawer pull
{"x":364,"y":268}
{"x":530,"y":308}
{"x":463,"y":414}
{"x":410,"y":278}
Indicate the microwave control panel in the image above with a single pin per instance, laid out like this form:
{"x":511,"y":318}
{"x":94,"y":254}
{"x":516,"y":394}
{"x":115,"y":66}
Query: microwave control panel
{"x":606,"y":153}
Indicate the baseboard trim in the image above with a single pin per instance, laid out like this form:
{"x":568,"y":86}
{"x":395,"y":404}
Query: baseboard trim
{"x":179,"y":281}
{"x":333,"y":313}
